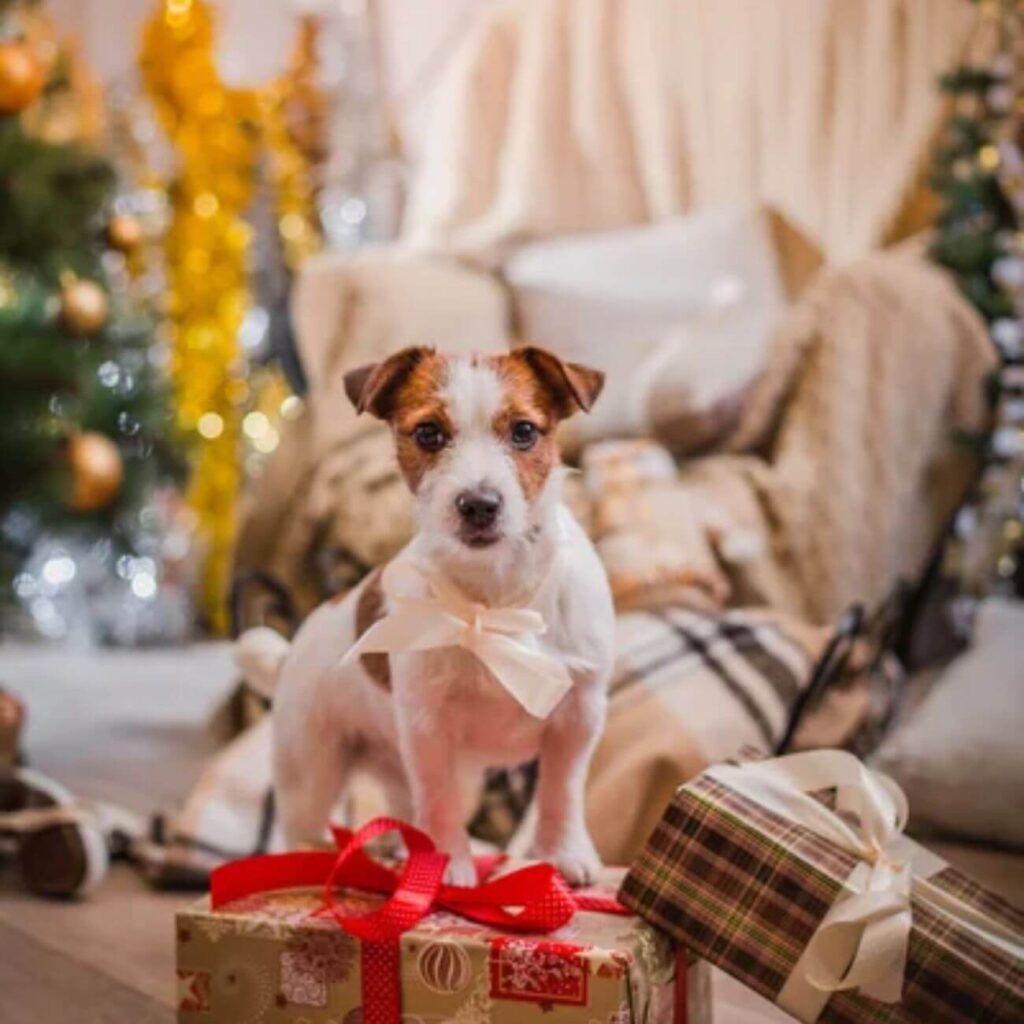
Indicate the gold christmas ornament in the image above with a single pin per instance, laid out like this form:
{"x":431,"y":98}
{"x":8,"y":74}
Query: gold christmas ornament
{"x":21,"y":77}
{"x":73,"y":112}
{"x":96,"y":471}
{"x":83,"y":306}
{"x":124,"y":233}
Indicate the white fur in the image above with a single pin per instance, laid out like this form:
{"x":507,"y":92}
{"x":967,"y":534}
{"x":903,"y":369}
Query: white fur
{"x":446,"y":719}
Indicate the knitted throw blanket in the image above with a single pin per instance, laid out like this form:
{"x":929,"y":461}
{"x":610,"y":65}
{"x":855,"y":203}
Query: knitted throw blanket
{"x":845,"y":462}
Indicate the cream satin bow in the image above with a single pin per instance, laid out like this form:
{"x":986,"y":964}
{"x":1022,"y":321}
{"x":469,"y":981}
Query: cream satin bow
{"x":862,"y":941}
{"x":447,"y":618}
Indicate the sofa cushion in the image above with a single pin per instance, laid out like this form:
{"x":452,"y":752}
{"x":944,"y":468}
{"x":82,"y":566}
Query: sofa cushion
{"x":959,"y":755}
{"x":654,"y":539}
{"x":677,"y":314}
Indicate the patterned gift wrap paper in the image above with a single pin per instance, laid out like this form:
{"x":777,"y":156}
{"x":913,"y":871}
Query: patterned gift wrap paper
{"x":266,"y":958}
{"x":746,"y":889}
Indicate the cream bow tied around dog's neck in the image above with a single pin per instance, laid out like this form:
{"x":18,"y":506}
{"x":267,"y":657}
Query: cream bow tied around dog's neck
{"x":862,"y":941}
{"x":447,"y":618}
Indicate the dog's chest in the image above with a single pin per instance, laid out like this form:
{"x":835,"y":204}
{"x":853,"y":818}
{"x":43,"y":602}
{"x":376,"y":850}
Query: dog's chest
{"x":484,"y":721}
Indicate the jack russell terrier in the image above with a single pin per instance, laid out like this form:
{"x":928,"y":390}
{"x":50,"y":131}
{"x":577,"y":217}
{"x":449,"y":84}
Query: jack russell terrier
{"x":487,"y":641}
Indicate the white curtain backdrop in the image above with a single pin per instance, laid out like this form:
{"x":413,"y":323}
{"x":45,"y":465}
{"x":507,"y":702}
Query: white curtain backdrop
{"x":560,"y":116}
{"x":255,"y":36}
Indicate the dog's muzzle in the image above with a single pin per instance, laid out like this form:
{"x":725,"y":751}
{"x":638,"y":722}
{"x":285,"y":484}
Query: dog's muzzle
{"x":478,"y":514}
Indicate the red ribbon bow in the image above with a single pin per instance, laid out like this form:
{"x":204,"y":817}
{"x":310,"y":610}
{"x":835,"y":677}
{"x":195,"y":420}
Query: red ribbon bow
{"x":532,"y":899}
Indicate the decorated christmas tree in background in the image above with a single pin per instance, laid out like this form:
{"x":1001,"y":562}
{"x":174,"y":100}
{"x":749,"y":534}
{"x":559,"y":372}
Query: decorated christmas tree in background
{"x":979,"y":176}
{"x":85,"y":430}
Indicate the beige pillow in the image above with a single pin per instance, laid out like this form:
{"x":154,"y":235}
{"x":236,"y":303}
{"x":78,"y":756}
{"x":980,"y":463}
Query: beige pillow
{"x":678,"y":315}
{"x":654,"y":541}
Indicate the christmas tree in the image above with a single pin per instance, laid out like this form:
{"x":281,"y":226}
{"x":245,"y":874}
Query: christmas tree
{"x":979,"y":238}
{"x":86,"y":426}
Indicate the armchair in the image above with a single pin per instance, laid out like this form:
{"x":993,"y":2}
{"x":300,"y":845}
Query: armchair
{"x":843,"y":462}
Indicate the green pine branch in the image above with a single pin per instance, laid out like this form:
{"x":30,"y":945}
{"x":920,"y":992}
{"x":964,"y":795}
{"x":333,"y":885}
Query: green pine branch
{"x":54,"y":204}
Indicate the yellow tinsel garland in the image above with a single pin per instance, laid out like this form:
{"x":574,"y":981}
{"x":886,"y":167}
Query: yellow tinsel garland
{"x":218,"y":132}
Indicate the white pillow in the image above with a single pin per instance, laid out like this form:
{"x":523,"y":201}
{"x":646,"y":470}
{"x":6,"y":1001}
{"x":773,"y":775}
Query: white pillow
{"x":960,"y":755}
{"x":677,"y":314}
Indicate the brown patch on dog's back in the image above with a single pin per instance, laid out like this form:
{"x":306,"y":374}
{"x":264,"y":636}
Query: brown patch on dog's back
{"x":370,"y":608}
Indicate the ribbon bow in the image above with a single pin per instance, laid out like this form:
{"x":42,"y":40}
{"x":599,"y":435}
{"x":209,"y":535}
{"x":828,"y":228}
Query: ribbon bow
{"x":862,"y":941}
{"x":447,"y":618}
{"x":531,"y":899}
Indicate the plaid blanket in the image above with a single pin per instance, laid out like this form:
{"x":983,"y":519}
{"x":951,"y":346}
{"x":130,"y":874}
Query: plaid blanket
{"x":689,"y":689}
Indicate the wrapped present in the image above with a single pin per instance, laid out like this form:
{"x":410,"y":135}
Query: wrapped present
{"x":794,"y":876}
{"x":322,"y":937}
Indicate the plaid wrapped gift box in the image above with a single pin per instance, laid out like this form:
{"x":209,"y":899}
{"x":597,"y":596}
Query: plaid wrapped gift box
{"x":269,"y":958}
{"x":747,"y":888}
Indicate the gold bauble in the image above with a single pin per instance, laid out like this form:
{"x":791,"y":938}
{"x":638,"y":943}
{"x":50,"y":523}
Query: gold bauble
{"x":21,"y":77}
{"x":124,"y":233}
{"x":83,"y":306}
{"x":96,"y":471}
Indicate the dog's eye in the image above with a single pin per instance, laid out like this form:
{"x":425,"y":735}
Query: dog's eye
{"x":524,"y":434}
{"x":430,"y":436}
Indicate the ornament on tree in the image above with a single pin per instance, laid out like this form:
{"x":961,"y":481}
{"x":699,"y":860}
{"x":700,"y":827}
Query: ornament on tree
{"x":12,"y":721}
{"x":21,"y":77}
{"x":83,"y":306}
{"x":124,"y":232}
{"x":97,"y":471}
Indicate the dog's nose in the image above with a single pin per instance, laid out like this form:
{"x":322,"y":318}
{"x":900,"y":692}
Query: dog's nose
{"x":479,"y":508}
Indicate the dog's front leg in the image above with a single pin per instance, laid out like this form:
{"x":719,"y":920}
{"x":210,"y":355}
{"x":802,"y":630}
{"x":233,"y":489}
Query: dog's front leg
{"x":430,"y":764}
{"x":566,"y":749}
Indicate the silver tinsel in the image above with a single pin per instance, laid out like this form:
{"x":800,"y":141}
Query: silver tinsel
{"x":364,"y":179}
{"x":87,"y":593}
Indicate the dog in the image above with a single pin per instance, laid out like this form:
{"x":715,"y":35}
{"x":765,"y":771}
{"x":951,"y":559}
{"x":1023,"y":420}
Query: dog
{"x":475,"y":441}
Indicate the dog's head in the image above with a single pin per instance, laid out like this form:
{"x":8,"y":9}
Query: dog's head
{"x":475,"y":435}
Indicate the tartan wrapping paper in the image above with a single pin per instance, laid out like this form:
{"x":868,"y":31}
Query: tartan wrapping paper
{"x":270,"y":959}
{"x":746,"y":890}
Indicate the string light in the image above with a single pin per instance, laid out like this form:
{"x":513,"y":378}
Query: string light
{"x":256,"y":425}
{"x":210,"y":426}
{"x":291,"y":407}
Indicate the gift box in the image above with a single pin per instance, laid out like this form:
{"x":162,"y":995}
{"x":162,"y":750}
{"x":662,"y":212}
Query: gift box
{"x":793,"y":875}
{"x":276,"y":956}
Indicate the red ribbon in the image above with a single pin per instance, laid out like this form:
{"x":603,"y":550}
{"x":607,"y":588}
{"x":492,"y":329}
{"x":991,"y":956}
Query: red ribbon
{"x":532,"y":899}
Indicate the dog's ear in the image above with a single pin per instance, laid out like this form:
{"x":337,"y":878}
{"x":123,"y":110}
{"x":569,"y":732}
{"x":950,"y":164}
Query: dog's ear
{"x":571,"y":386}
{"x":374,"y":387}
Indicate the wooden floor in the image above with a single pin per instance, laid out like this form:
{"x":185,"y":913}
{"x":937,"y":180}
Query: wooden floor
{"x":110,"y":957}
{"x":40,"y":985}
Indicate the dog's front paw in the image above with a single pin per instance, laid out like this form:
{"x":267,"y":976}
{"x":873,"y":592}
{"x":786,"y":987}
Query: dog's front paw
{"x":461,"y":870}
{"x":578,"y":868}
{"x":576,"y":860}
